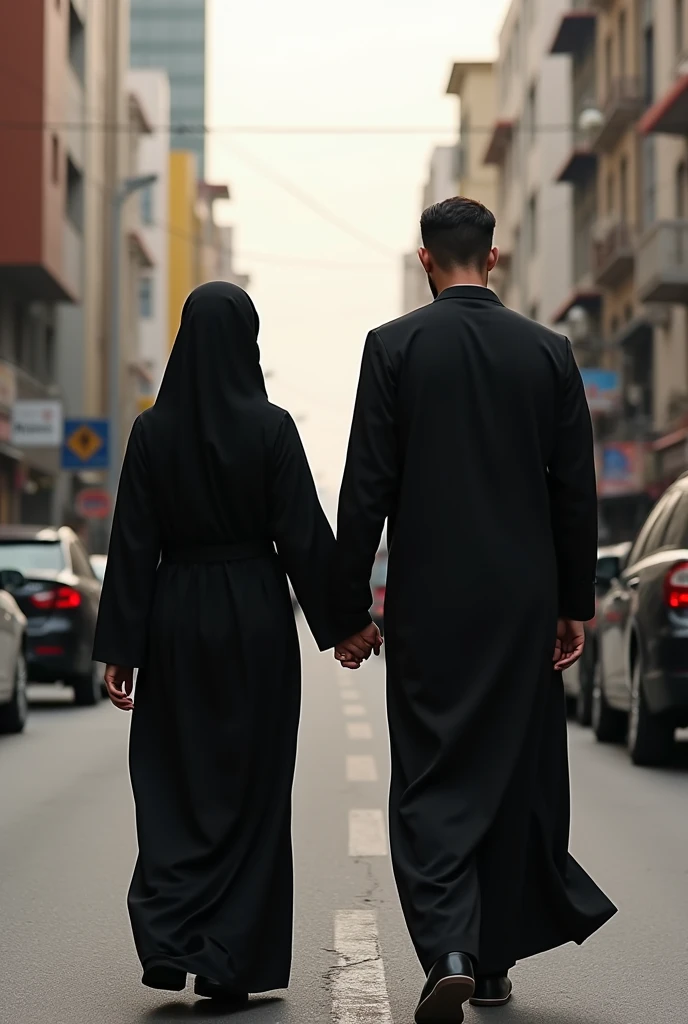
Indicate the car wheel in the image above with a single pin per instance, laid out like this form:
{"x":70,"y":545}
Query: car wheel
{"x":14,"y":715}
{"x":607,"y":723}
{"x":586,"y":683}
{"x":650,"y":737}
{"x":88,"y":688}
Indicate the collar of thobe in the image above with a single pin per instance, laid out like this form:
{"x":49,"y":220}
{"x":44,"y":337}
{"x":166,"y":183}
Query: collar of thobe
{"x":469,"y":291}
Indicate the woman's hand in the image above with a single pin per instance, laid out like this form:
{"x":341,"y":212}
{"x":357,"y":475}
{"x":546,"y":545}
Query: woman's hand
{"x":353,"y":652}
{"x":120,"y":682}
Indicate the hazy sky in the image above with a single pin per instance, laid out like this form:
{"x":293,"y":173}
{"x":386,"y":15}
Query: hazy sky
{"x":318,"y":290}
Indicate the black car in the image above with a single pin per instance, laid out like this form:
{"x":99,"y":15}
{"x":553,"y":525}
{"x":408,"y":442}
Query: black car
{"x":641,"y":678}
{"x":59,"y":596}
{"x":579,"y":680}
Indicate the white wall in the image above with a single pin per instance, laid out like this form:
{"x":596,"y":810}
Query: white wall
{"x":153,"y":91}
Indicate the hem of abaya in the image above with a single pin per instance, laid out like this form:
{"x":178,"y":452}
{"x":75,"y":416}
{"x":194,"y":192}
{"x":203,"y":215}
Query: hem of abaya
{"x":254,"y":984}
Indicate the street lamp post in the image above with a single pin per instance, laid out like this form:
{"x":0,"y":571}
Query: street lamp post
{"x":126,"y":189}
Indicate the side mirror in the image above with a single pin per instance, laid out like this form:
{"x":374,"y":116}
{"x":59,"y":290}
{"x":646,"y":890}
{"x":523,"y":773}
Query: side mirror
{"x":11,"y":579}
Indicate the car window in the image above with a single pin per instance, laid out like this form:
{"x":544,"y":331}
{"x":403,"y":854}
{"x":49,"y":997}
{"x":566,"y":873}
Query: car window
{"x":27,"y":556}
{"x":676,"y":535}
{"x":607,"y":568}
{"x":80,"y":563}
{"x":651,"y":534}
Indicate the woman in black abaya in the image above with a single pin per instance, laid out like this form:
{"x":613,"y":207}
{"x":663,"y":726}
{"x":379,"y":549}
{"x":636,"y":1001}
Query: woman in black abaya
{"x":196,"y":597}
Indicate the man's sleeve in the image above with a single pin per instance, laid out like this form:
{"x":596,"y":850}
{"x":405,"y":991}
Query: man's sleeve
{"x":573,"y":497}
{"x":369,"y":485}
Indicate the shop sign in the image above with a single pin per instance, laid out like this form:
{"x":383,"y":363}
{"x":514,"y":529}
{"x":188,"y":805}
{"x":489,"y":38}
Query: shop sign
{"x":8,"y":386}
{"x":621,"y":468}
{"x":602,"y":389}
{"x":37,"y":424}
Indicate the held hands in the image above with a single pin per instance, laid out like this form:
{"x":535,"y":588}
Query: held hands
{"x":569,"y":644}
{"x":353,"y":652}
{"x":119,"y":682}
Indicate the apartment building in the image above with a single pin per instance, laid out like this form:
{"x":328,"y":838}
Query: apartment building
{"x":42,"y":216}
{"x":440,"y":184}
{"x":474,"y":84}
{"x":530,"y":139}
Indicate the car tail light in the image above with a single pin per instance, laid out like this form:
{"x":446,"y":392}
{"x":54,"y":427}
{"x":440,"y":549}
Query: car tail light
{"x":60,"y":599}
{"x":49,"y":652}
{"x":676,"y":586}
{"x":379,"y":600}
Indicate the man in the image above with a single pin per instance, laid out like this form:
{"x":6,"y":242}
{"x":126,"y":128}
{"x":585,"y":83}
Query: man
{"x":472,"y":436}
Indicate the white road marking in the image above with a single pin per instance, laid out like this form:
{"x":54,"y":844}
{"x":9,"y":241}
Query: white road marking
{"x":367,"y":834}
{"x":359,"y":730}
{"x":354,"y":710}
{"x":359,"y":987}
{"x":361,"y":768}
{"x":350,"y":695}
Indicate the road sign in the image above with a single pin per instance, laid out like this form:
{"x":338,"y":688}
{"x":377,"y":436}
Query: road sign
{"x":93,"y":503}
{"x":86,"y":444}
{"x":37,"y":424}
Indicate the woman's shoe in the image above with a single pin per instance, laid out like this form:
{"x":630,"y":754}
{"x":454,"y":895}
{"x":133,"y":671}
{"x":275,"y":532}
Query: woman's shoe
{"x":208,"y":989}
{"x":170,"y":979}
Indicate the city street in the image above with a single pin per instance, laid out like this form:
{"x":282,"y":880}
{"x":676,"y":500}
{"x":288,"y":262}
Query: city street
{"x":67,"y":847}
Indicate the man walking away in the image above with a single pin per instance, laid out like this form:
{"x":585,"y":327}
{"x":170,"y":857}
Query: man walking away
{"x":472,"y":436}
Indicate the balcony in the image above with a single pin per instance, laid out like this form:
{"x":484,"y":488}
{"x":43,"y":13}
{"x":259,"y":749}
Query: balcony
{"x":669,"y":115}
{"x":499,"y":142}
{"x":581,"y":163}
{"x":613,"y":256}
{"x":576,"y":30}
{"x":623,"y":106}
{"x":662,"y":263}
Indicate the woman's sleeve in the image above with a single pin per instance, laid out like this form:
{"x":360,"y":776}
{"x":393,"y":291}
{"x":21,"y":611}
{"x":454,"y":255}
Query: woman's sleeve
{"x":304,"y":538}
{"x":133,"y":556}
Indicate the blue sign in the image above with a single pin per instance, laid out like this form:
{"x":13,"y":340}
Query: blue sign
{"x":602,"y":388}
{"x":86,"y":444}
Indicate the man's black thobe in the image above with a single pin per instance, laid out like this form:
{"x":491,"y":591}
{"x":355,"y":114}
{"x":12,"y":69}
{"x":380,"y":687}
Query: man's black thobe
{"x":472,"y":435}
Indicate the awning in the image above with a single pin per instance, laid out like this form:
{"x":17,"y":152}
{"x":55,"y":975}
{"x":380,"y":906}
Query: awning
{"x":499,"y":141}
{"x":669,"y":115}
{"x":581,"y":162}
{"x":589,"y":298}
{"x":669,"y":440}
{"x":141,"y":250}
{"x":576,"y":30}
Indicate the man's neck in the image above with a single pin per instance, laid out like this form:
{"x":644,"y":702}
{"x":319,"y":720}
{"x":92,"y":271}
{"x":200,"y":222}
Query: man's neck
{"x":459,"y":280}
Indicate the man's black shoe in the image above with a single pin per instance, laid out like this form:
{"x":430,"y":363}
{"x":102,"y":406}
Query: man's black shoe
{"x":208,"y":989}
{"x":494,"y":990}
{"x":161,"y":976}
{"x":450,"y":984}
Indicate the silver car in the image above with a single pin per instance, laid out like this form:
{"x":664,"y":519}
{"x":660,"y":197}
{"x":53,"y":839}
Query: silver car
{"x":14,"y":704}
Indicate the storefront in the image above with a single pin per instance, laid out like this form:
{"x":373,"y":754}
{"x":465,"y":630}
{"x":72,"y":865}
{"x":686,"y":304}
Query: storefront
{"x":623,"y":471}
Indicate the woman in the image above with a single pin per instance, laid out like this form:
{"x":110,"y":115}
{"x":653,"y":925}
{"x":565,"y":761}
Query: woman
{"x":196,"y":598}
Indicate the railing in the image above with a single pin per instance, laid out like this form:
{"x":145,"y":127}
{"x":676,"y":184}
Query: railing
{"x":626,"y":90}
{"x":615,"y":245}
{"x":662,"y":268}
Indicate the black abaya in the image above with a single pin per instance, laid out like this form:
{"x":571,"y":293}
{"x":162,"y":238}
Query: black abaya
{"x":471,"y":434}
{"x":195,"y":596}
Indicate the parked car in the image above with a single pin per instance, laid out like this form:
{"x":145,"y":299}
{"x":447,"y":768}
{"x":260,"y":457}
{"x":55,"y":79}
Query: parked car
{"x":14,"y":704}
{"x":641,"y":676}
{"x":579,"y":680}
{"x":378,"y":585}
{"x":59,"y":596}
{"x":99,"y":565}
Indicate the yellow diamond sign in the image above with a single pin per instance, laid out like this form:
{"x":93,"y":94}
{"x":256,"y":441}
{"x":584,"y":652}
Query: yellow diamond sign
{"x":84,"y":442}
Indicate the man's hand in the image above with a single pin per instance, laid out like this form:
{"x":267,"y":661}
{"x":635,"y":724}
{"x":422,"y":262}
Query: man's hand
{"x":358,"y":648}
{"x":120,"y":682}
{"x":569,"y":645}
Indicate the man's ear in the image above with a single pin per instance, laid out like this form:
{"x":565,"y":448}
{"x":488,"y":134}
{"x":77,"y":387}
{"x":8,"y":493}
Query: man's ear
{"x":426,"y":260}
{"x":492,"y":259}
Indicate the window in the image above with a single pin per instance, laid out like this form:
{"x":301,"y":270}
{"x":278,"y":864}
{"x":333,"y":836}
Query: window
{"x":532,"y":224}
{"x":649,"y":64}
{"x":608,"y":66}
{"x":55,"y":160}
{"x":623,"y":190}
{"x":610,"y":193}
{"x":622,"y":44}
{"x":29,"y":556}
{"x":681,"y":191}
{"x":74,"y":197}
{"x":531,"y":113}
{"x":649,"y":181}
{"x":146,"y":298}
{"x":147,"y":204}
{"x":678,"y":27}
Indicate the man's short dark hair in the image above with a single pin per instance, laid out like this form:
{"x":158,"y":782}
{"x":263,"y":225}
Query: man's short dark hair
{"x":458,"y":232}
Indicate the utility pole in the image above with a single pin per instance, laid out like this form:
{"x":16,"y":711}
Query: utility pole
{"x":126,"y":189}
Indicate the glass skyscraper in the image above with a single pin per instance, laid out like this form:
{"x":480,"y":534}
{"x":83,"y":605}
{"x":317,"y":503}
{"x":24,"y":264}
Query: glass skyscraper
{"x":170,"y":34}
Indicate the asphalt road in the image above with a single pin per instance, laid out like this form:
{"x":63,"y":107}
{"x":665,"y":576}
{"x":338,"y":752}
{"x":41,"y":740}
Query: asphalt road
{"x":66,"y":852}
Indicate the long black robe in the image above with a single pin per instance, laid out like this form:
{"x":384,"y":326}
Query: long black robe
{"x":472,"y":434}
{"x":213,"y":475}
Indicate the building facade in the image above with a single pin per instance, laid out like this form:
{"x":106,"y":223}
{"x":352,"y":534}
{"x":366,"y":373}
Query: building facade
{"x":183,"y":230}
{"x":171,"y":35}
{"x":529,"y":141}
{"x":42,"y":216}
